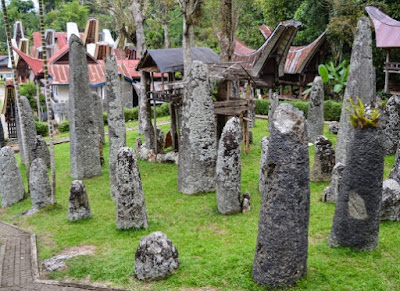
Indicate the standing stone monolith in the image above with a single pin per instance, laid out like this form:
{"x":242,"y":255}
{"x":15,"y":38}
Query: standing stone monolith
{"x":395,"y":173}
{"x":229,"y":168}
{"x":84,"y":148}
{"x":39,"y":185}
{"x":11,"y":186}
{"x":263,"y":163}
{"x":98,"y":116}
{"x":390,"y":209}
{"x":331,"y":192}
{"x":2,"y":139}
{"x":116,"y":121}
{"x":333,"y":127}
{"x":315,"y":119}
{"x":41,"y":150}
{"x":156,"y":257}
{"x":27,"y":155}
{"x":273,"y":105}
{"x":361,"y":83}
{"x":391,"y":125}
{"x":324,"y":160}
{"x":282,"y":242}
{"x":78,"y":205}
{"x":198,"y":143}
{"x":358,"y":206}
{"x":131,"y":206}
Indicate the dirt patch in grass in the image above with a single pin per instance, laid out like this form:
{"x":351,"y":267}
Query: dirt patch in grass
{"x":79,"y":250}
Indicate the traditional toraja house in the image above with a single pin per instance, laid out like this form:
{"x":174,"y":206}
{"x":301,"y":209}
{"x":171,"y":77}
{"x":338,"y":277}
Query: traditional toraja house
{"x":5,"y":71}
{"x":387,"y":32}
{"x":168,"y":62}
{"x":8,"y":110}
{"x":301,"y":62}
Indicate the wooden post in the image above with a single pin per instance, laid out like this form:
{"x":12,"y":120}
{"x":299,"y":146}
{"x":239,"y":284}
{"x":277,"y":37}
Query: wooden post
{"x":291,"y":91}
{"x":155,"y":114}
{"x":387,"y":71}
{"x":282,"y":89}
{"x":38,"y":102}
{"x":269,"y":93}
{"x":300,"y":92}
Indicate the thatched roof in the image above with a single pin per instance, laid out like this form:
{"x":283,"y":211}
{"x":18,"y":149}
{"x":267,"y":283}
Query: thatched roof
{"x":171,"y":60}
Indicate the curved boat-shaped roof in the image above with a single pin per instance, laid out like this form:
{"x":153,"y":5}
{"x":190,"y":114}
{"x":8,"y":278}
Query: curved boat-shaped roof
{"x":276,"y":46}
{"x":36,"y":65}
{"x":387,"y":30}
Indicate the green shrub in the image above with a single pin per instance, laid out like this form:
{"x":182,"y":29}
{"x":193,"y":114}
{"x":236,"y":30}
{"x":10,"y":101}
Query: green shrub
{"x":301,"y":105}
{"x":164,"y":109}
{"x":332,"y":110}
{"x":105,"y":120}
{"x":64,"y":126}
{"x":131,"y":113}
{"x":42,"y":128}
{"x":262,"y":106}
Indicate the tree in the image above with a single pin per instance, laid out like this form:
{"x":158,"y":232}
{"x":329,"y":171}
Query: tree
{"x":68,"y":12}
{"x":191,"y":12}
{"x":277,"y":11}
{"x":48,"y":102}
{"x":16,"y":87}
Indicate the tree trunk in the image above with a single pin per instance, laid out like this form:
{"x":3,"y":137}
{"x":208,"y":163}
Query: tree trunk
{"x":145,"y":126}
{"x":16,"y":87}
{"x":166,"y":35}
{"x":188,"y":36}
{"x":48,"y":107}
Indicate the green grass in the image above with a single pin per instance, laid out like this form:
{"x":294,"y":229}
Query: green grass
{"x":214,"y":250}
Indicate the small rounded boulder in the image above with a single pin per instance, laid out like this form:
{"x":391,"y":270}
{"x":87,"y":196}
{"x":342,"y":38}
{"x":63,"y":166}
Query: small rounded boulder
{"x":156,"y":257}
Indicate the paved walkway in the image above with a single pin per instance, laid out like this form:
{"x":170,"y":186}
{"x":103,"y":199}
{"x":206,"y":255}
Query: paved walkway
{"x":18,"y":264}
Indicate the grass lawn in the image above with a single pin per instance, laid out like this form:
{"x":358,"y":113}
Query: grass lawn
{"x":215,"y":251}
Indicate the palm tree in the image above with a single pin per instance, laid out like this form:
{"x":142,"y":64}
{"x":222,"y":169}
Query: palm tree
{"x":49,"y":110}
{"x":16,"y":86}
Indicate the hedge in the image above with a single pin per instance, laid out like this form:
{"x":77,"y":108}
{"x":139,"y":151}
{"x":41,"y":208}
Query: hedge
{"x":42,"y":128}
{"x":332,"y":109}
{"x":64,"y":126}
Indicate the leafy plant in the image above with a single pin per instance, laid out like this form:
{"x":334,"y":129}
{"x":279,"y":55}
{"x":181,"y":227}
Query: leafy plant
{"x":362,"y":116}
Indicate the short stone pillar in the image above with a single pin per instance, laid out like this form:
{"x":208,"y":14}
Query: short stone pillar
{"x":229,"y":168}
{"x":116,"y":120}
{"x":263,"y":163}
{"x":391,"y":125}
{"x":282,"y":244}
{"x":357,"y":214}
{"x":390,"y":209}
{"x":273,"y":105}
{"x":2,"y":139}
{"x":39,"y":185}
{"x":333,"y":127}
{"x":360,"y":83}
{"x":84,"y":145}
{"x":98,"y":116}
{"x":131,"y":206}
{"x":27,"y":155}
{"x":41,"y":150}
{"x":11,"y":186}
{"x":315,"y":119}
{"x":331,"y":192}
{"x":78,"y":206}
{"x":198,"y":143}
{"x":395,"y":173}
{"x":324,"y":160}
{"x":156,"y":257}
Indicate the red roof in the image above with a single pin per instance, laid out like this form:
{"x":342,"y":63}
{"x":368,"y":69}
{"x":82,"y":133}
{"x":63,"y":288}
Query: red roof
{"x":241,"y":48}
{"x":61,"y":39}
{"x":266,"y":31}
{"x":298,"y":57}
{"x":58,"y":54}
{"x":37,"y":39}
{"x":119,"y":54}
{"x":387,"y":30}
{"x":60,"y":74}
{"x":36,"y":65}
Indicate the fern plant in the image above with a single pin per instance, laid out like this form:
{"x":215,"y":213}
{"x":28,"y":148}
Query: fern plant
{"x":362,"y":116}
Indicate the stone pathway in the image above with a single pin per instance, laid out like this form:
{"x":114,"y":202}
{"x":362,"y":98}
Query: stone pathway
{"x":19,"y":268}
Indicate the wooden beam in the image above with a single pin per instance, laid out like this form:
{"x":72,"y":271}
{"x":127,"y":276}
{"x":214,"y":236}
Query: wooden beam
{"x":387,"y":71}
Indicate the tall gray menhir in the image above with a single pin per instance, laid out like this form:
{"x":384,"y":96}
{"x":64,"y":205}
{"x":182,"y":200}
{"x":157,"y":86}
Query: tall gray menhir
{"x":273,"y":105}
{"x":98,"y":116}
{"x":27,"y":155}
{"x":131,"y":206}
{"x":116,"y":121}
{"x":391,"y":125}
{"x":2,"y":140}
{"x":360,"y":83}
{"x":282,"y":242}
{"x":229,"y":168}
{"x":357,"y":214}
{"x":198,"y":147}
{"x":12,"y":188}
{"x":315,"y":119}
{"x":84,"y":145}
{"x":39,"y":185}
